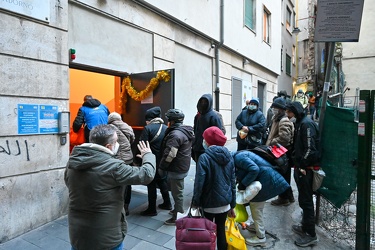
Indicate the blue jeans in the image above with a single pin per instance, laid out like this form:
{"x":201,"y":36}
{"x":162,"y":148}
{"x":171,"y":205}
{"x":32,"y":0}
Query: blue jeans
{"x":119,"y":247}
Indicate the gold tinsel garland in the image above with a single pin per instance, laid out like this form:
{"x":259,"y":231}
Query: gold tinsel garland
{"x":126,"y":87}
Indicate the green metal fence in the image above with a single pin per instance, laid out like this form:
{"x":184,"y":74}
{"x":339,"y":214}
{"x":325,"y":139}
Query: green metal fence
{"x":365,"y":226}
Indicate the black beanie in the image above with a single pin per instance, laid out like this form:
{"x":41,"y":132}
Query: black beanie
{"x":279,"y":102}
{"x":152,"y":113}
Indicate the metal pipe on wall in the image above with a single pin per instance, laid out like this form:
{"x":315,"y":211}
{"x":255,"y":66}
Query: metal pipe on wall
{"x":217,"y":58}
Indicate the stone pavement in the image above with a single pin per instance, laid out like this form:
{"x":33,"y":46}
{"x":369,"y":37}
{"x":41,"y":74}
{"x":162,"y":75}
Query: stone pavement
{"x":151,"y":233}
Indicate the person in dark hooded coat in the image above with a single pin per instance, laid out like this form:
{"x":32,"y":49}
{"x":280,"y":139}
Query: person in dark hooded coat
{"x":205,"y":118}
{"x":306,"y":158}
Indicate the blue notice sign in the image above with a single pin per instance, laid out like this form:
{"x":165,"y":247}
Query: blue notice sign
{"x":37,"y":119}
{"x":48,"y":117}
{"x":28,"y":119}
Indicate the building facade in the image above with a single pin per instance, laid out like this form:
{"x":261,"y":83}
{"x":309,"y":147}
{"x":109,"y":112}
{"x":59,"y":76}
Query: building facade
{"x":229,"y":50}
{"x":359,"y":58}
{"x":288,"y":62}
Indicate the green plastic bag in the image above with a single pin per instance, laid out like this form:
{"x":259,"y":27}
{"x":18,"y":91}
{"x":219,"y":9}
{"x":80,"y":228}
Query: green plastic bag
{"x":241,"y":213}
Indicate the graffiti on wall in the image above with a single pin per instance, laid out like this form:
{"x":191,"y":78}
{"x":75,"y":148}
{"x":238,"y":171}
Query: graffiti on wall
{"x":15,"y":148}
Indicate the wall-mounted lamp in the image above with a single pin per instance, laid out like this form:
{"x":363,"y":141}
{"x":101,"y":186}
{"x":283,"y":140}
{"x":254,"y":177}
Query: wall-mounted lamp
{"x":245,"y":61}
{"x":213,"y":45}
{"x":296,"y":30}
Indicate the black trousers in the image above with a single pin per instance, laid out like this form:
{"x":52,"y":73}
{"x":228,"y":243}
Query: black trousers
{"x":152,"y":191}
{"x":219,"y":220}
{"x":305,"y":199}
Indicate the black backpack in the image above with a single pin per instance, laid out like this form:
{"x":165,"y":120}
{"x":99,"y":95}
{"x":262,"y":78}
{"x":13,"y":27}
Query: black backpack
{"x":280,"y":164}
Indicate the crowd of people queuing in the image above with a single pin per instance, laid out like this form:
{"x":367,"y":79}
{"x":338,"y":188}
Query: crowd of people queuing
{"x":100,"y":172}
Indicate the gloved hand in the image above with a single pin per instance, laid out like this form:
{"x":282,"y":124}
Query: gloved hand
{"x":241,"y":186}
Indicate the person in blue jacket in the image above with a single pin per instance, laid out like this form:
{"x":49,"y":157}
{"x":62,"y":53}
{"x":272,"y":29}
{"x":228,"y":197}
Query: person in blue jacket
{"x":215,"y":182}
{"x":91,"y":114}
{"x":251,"y":167}
{"x":253,"y":122}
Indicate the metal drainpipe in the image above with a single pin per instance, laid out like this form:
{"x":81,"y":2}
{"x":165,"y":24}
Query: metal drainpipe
{"x":217,"y":48}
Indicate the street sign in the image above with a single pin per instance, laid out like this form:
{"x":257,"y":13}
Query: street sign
{"x":338,"y":20}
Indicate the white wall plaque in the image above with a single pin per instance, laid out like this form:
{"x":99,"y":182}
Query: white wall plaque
{"x":38,"y":9}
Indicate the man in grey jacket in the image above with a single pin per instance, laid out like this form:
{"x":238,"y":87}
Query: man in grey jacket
{"x":96,"y":181}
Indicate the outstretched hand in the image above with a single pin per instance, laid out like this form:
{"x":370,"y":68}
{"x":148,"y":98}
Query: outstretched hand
{"x":143,"y":148}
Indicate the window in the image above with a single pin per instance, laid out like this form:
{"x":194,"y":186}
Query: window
{"x":288,"y":20}
{"x":266,"y":25}
{"x":294,"y":55}
{"x":250,"y":14}
{"x":288,"y":66}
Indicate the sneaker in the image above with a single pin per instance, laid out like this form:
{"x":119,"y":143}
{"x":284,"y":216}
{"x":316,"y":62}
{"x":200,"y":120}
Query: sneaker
{"x":255,"y":241}
{"x":280,"y":202}
{"x":165,"y":206}
{"x":170,"y":222}
{"x":306,"y":240}
{"x":148,"y":212}
{"x":298,"y":230}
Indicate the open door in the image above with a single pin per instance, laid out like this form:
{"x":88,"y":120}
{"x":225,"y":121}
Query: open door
{"x":162,"y":96}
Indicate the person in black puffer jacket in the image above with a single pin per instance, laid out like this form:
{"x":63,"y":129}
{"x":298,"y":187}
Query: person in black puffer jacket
{"x":154,"y":132}
{"x":175,"y":158}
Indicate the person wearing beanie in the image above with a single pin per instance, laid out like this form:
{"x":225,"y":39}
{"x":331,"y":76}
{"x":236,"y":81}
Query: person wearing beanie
{"x":126,"y":137}
{"x":175,"y":160}
{"x":154,"y":132}
{"x":252,"y":122}
{"x":215,"y":182}
{"x":282,"y":132}
{"x":306,"y":158}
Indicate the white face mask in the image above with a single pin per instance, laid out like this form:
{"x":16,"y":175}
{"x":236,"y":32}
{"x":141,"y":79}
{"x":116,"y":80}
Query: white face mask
{"x":299,"y":94}
{"x":275,"y":111}
{"x":293,"y":119}
{"x":204,"y":144}
{"x":252,"y":107}
{"x":115,"y":148}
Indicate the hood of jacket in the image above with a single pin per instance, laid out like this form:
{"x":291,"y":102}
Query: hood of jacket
{"x":92,"y":103}
{"x":187,"y":130}
{"x":87,"y":155}
{"x":220,"y":155}
{"x":204,"y":110}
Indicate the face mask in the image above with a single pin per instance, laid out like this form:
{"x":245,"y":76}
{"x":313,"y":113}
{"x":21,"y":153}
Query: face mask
{"x":275,"y":111}
{"x":293,"y":119}
{"x":115,"y":148}
{"x":252,"y":107}
{"x":299,"y":94}
{"x":204,"y":144}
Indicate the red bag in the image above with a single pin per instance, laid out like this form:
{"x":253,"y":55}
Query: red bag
{"x":195,"y":232}
{"x":77,"y":138}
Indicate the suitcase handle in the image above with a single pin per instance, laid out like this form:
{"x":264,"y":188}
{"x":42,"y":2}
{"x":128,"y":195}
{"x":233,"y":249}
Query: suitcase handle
{"x":196,"y":229}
